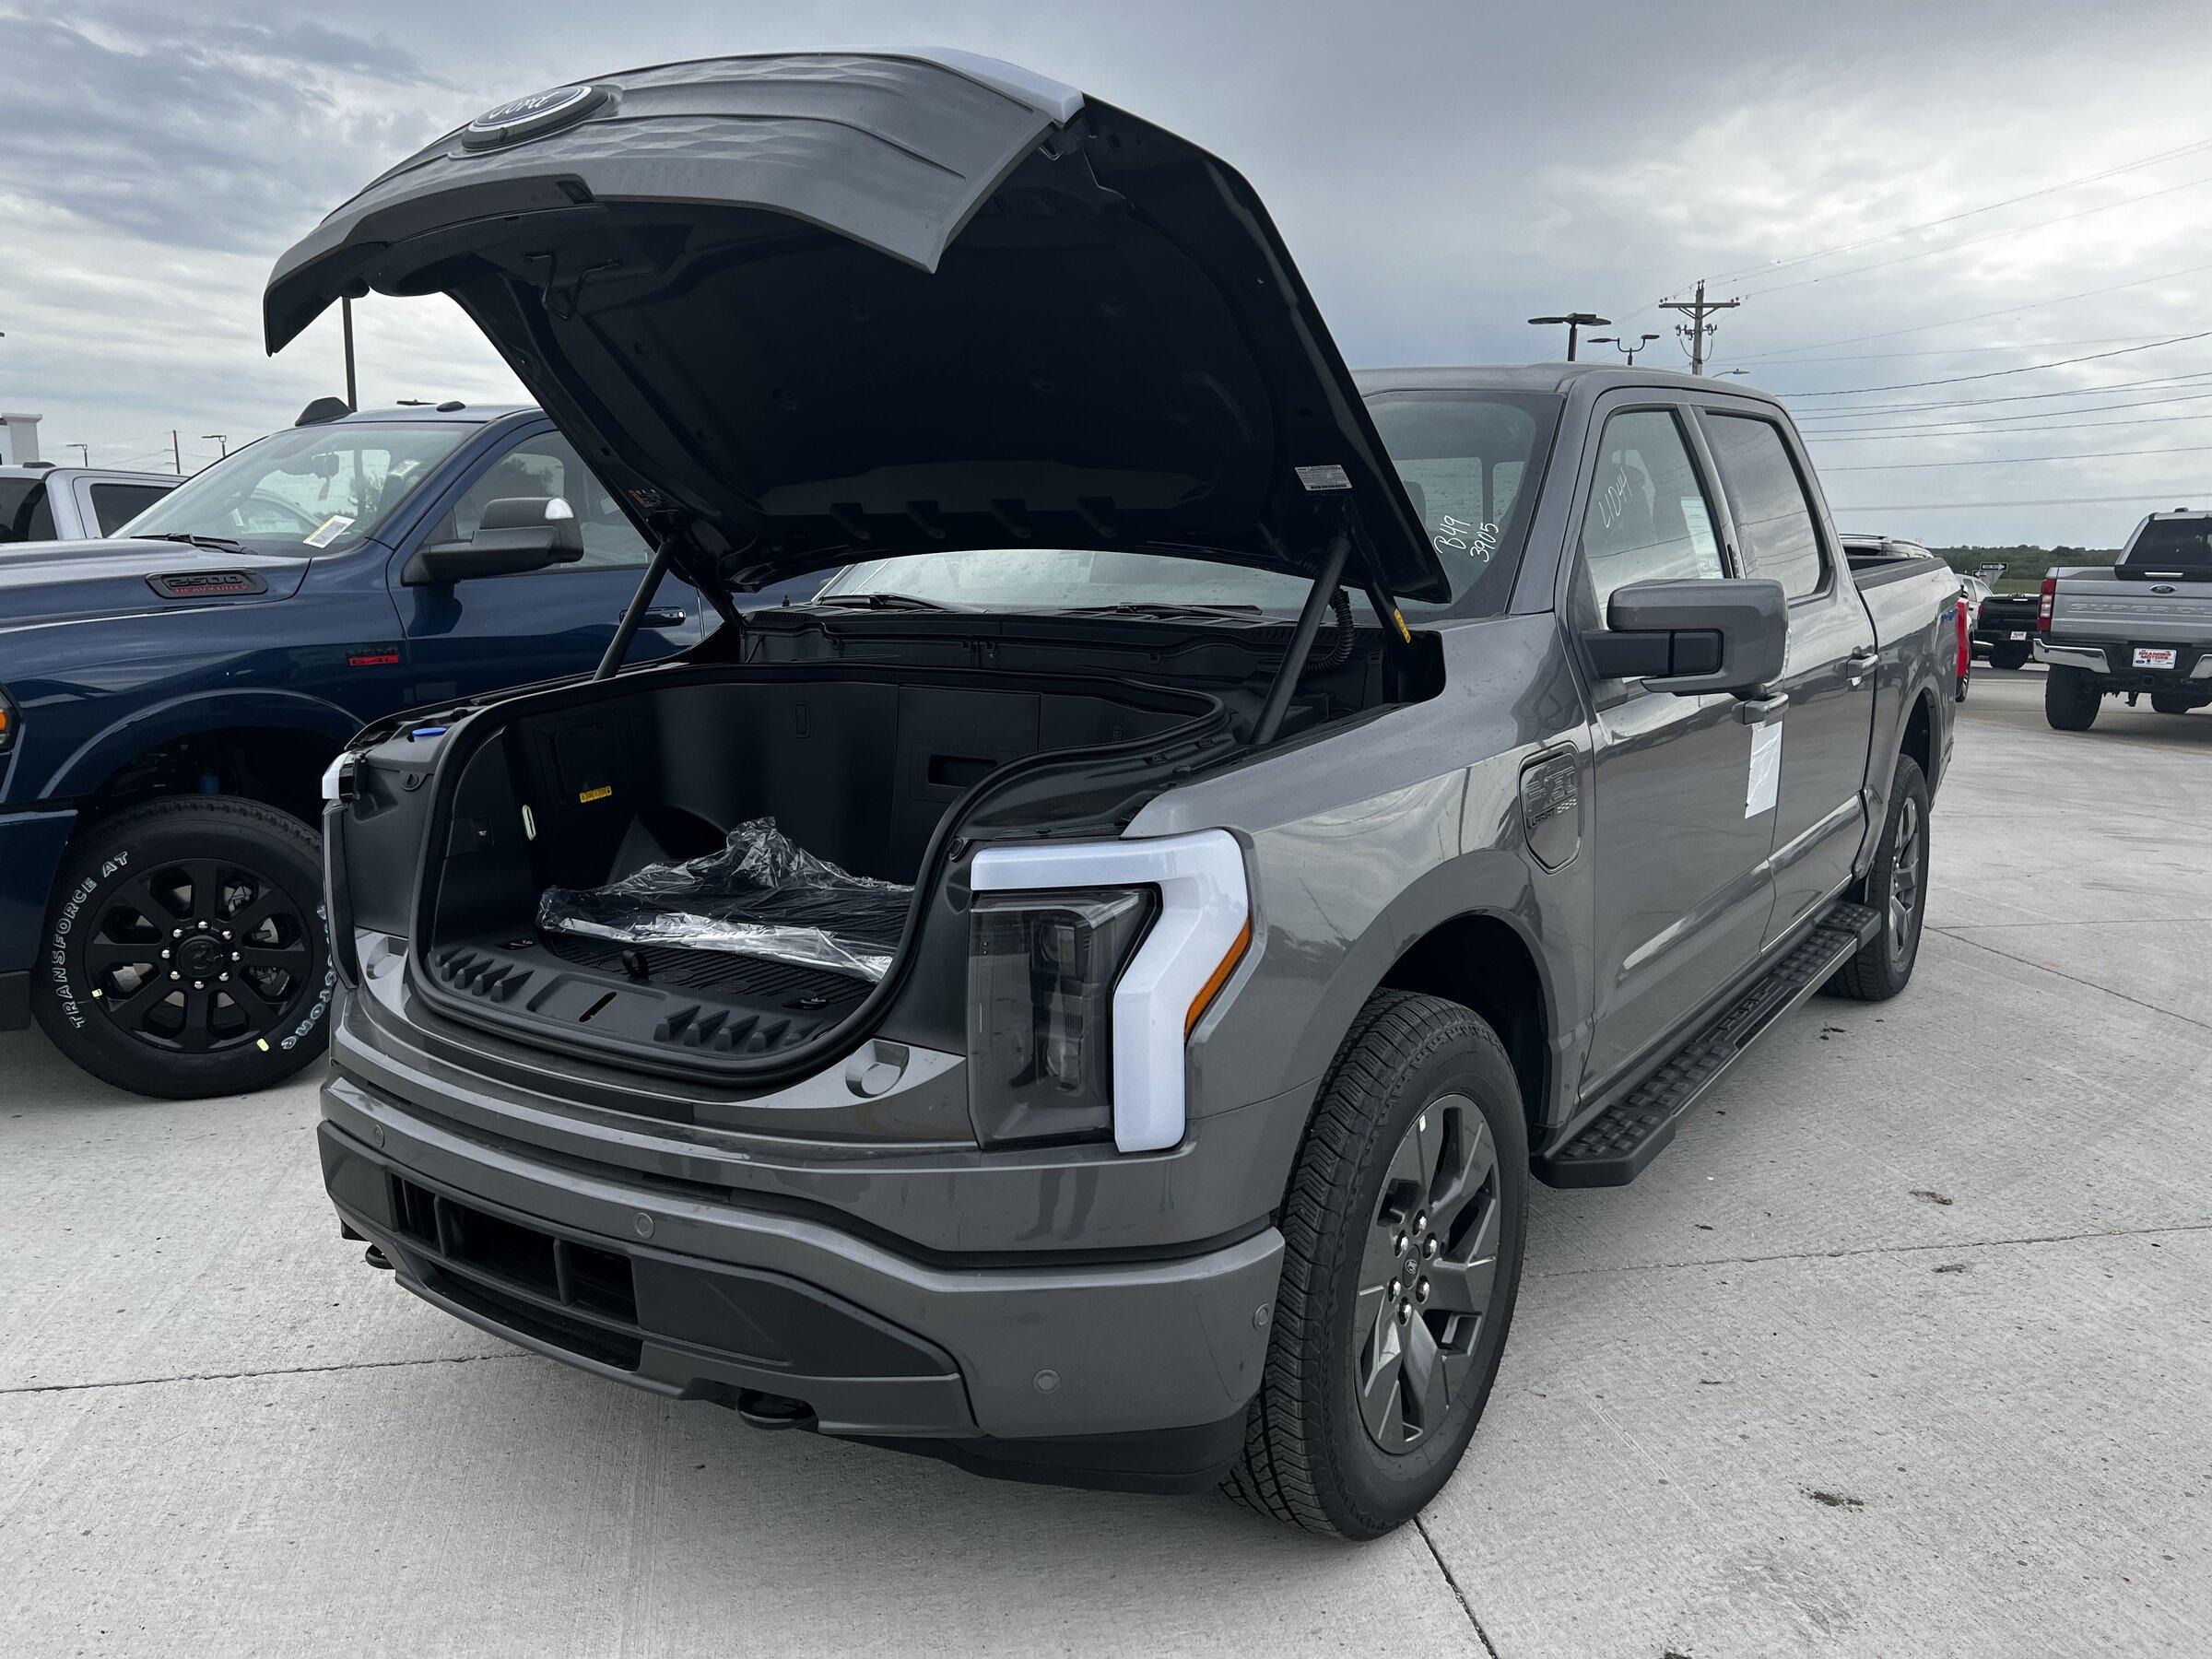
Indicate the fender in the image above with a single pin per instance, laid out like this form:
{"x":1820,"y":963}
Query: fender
{"x":1491,"y":883}
{"x":98,"y":756}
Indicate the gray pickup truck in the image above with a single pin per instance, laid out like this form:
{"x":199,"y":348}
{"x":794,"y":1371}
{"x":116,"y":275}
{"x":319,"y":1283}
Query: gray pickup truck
{"x":2142,"y":626}
{"x":42,"y":503}
{"x":1086,"y":996}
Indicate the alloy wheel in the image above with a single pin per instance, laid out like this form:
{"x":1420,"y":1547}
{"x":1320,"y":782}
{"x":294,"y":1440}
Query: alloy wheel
{"x":1427,"y":1275}
{"x":1904,"y":877}
{"x":198,"y":955}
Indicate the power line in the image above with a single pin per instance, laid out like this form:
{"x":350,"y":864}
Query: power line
{"x":1942,"y":429}
{"x":1975,"y":241}
{"x":2010,"y":311}
{"x":1953,"y":219}
{"x":2185,"y":449}
{"x":2179,"y":491}
{"x":1873,"y":357}
{"x":1991,"y":421}
{"x":1954,"y":379}
{"x":1965,"y":403}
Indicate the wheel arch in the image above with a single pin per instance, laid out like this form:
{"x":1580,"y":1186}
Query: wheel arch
{"x":1484,"y":960}
{"x":270,"y":746}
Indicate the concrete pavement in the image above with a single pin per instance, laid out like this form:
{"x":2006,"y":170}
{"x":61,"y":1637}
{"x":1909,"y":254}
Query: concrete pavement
{"x":1903,"y":1348}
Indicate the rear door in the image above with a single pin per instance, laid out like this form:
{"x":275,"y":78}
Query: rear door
{"x":1827,"y":724}
{"x":464,"y":638}
{"x":1680,"y":865}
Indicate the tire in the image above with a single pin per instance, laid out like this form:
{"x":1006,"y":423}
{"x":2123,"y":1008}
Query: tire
{"x":2172,"y":703}
{"x":2008,"y":653}
{"x":1897,"y":888}
{"x":157,"y":892}
{"x":1958,"y":692}
{"x":2070,"y":698}
{"x":1421,"y":1091}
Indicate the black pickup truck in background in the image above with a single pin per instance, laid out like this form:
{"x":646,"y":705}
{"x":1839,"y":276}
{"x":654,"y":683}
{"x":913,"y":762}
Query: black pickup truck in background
{"x":2006,"y":628}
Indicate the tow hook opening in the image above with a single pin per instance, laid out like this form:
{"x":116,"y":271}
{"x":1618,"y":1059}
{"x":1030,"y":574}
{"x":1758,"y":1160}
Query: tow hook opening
{"x":771,"y":1411}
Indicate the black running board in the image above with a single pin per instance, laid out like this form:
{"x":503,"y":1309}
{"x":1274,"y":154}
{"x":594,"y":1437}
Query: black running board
{"x":1614,"y":1147}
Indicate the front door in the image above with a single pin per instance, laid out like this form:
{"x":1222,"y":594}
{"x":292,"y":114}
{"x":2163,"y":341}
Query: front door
{"x":1827,"y":724}
{"x":1679,"y":863}
{"x":464,"y":638}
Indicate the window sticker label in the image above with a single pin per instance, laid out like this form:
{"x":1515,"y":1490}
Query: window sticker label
{"x":1764,"y":781}
{"x":329,"y":530}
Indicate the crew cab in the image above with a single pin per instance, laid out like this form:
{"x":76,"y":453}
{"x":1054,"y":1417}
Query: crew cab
{"x":1086,"y":996}
{"x":168,"y":703}
{"x":41,"y":503}
{"x":2142,"y":626}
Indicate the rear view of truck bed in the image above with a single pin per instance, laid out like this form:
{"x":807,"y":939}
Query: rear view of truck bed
{"x":2144,"y":627}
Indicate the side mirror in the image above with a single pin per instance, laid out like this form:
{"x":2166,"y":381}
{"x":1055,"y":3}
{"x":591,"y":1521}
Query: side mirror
{"x":1691,"y":637}
{"x":518,"y":534}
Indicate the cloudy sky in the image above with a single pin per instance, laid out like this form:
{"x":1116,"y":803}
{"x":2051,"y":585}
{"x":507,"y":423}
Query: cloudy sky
{"x":1932,"y":213}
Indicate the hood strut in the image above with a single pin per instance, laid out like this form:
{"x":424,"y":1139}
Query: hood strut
{"x":1325,"y":581}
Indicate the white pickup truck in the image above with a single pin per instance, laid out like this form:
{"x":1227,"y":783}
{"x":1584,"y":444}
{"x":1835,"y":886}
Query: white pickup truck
{"x":42,"y":503}
{"x":2142,"y":626}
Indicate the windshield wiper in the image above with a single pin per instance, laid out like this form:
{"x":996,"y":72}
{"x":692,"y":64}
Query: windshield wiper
{"x":1160,"y":607}
{"x":221,"y":544}
{"x":882,"y":602}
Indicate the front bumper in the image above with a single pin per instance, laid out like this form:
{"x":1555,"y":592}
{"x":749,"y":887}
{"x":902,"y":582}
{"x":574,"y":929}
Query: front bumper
{"x":1119,"y":1373}
{"x":31,"y":844}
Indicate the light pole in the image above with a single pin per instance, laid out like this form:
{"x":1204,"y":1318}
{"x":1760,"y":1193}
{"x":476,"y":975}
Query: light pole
{"x":84,"y":452}
{"x":1576,"y":321}
{"x":1622,"y":346}
{"x":220,"y":441}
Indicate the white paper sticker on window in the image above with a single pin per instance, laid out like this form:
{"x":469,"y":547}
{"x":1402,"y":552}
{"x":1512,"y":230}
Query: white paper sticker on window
{"x":328,"y":531}
{"x":1765,"y":780}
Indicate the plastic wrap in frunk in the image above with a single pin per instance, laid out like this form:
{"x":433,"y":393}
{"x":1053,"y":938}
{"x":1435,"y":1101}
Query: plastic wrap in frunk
{"x":761,"y":895}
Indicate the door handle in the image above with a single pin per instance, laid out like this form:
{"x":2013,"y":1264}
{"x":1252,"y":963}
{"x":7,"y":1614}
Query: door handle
{"x":1860,"y":663}
{"x":1755,"y":711}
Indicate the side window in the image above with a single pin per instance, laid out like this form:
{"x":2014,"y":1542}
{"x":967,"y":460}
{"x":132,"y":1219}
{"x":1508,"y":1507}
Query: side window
{"x":1771,"y":517}
{"x":546,"y":466}
{"x":115,"y":505}
{"x":1648,"y":519}
{"x":16,"y":500}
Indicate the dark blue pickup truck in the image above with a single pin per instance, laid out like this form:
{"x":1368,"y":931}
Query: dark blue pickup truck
{"x":169,"y":702}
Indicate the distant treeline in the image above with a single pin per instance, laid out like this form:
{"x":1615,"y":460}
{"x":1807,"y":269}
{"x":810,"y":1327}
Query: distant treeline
{"x":2023,"y":563}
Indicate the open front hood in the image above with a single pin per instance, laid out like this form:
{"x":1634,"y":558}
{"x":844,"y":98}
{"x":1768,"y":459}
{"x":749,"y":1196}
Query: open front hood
{"x":816,"y":307}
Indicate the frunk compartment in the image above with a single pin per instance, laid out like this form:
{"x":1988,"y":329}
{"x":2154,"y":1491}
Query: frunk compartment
{"x":580,"y":788}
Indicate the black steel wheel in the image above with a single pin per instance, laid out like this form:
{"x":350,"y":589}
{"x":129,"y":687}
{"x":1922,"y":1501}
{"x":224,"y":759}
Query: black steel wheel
{"x":1402,"y":1238}
{"x":185,"y":949}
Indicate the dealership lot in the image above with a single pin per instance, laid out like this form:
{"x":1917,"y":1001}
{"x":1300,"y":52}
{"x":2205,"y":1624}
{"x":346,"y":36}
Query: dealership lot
{"x":1905,"y":1347}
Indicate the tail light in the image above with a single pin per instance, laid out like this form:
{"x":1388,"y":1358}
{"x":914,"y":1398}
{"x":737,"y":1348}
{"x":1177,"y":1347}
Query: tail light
{"x":2042,"y":605}
{"x":1965,"y":658}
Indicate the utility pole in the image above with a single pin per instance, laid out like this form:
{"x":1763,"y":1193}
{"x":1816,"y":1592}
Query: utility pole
{"x":1696,"y":331}
{"x":221,"y":439}
{"x":176,"y":451}
{"x":1576,"y":321}
{"x":345,"y":321}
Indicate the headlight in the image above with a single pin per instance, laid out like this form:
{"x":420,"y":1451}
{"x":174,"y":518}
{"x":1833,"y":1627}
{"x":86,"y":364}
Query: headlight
{"x":1090,"y":965}
{"x":10,"y":722}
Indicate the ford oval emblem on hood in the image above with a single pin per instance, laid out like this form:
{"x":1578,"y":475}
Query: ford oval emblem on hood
{"x":532,"y":117}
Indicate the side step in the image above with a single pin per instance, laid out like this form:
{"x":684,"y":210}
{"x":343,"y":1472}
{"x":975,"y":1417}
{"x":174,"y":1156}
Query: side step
{"x":1614,"y":1147}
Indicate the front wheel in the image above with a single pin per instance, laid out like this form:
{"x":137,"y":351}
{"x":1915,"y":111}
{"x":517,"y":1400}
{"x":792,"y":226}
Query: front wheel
{"x":1402,"y":1237}
{"x":2070,"y":698}
{"x":1896,"y":889}
{"x":184,"y":953}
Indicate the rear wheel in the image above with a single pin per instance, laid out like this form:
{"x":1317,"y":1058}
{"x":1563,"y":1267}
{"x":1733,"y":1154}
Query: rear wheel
{"x":2172,"y":703}
{"x":1401,"y":1231}
{"x":2070,"y":698}
{"x":1896,"y":889}
{"x":184,"y":951}
{"x":2008,"y":653}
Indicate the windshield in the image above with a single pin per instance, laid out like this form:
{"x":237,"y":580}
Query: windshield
{"x":1469,"y":461}
{"x":2172,"y":544}
{"x":321,"y":489}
